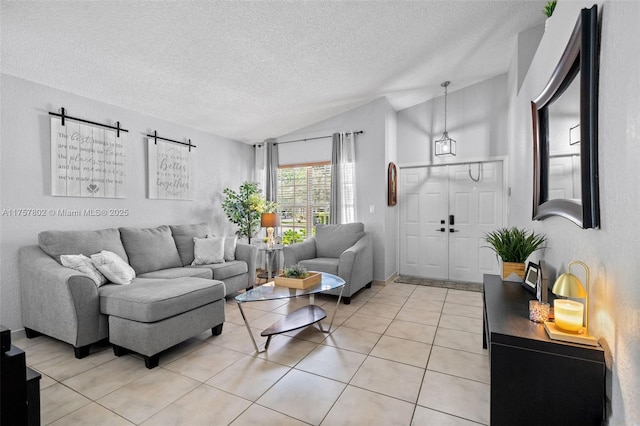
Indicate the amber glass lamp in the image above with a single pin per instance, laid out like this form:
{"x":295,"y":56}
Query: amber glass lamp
{"x":569,"y":314}
{"x":269,"y":221}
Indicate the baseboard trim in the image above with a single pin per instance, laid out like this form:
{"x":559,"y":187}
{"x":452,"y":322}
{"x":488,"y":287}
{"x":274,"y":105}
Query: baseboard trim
{"x":385,"y":282}
{"x":18,"y":334}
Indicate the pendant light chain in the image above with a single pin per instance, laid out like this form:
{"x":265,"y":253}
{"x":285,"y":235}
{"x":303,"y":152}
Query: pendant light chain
{"x":445,"y":84}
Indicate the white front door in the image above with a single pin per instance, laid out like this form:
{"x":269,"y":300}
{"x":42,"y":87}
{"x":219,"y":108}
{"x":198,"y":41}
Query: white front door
{"x":423,"y":207}
{"x":444,"y":214}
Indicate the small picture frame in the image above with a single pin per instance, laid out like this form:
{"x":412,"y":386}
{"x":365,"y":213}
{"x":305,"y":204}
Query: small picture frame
{"x":543,"y":283}
{"x":531,"y":278}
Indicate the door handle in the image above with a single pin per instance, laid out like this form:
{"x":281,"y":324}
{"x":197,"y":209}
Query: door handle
{"x":440,"y":230}
{"x":453,"y":230}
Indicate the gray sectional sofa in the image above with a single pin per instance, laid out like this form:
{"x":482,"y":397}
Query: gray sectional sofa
{"x":167,"y":302}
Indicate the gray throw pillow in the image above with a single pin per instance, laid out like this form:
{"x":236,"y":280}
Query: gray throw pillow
{"x":208,"y":250}
{"x":230,"y":244}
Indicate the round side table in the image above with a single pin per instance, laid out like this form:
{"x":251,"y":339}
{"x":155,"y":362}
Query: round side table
{"x":271,"y":252}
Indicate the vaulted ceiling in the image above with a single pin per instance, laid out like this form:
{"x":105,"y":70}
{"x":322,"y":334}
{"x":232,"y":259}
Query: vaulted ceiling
{"x":250,"y":70}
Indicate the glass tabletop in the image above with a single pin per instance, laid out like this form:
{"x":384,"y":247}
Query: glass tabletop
{"x":265,"y":247}
{"x":270,"y":291}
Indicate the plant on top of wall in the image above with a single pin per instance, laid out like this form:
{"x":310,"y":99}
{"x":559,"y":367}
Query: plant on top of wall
{"x":245,"y":207}
{"x":514,"y":245}
{"x":549,"y":8}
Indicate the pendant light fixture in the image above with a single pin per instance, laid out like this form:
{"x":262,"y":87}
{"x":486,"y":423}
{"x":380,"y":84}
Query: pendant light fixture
{"x":445,"y":146}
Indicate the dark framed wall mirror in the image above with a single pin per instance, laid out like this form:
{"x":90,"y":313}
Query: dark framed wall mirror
{"x":392,"y":185}
{"x":565,"y":132}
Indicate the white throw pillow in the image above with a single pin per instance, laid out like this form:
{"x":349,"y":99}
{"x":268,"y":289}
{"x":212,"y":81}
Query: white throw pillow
{"x":208,"y":250}
{"x":82,"y":263}
{"x":230,"y":248}
{"x":113,"y":267}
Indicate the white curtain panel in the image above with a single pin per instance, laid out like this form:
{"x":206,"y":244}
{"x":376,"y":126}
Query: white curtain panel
{"x":270,"y":187}
{"x":266,"y":175}
{"x":259,"y":172}
{"x":343,"y":179}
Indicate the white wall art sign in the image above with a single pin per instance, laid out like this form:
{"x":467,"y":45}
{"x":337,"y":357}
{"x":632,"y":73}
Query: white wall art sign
{"x":86,"y":161}
{"x":171,"y":171}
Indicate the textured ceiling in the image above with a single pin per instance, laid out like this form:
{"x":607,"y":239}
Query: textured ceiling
{"x":253,"y":70}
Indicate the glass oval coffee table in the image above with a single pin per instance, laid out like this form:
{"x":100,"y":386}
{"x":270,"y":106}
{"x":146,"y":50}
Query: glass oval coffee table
{"x":302,"y":317}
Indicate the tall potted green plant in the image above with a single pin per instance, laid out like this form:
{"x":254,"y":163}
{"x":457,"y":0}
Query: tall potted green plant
{"x":514,"y":245}
{"x":549,"y":8}
{"x":245,"y":207}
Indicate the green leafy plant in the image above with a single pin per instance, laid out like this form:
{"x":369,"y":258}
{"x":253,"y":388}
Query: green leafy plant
{"x":245,"y":207}
{"x":296,"y":271}
{"x":290,"y":236}
{"x":549,"y":8}
{"x":514,"y":244}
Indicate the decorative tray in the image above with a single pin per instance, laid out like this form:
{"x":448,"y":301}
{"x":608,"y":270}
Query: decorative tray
{"x":301,"y":283}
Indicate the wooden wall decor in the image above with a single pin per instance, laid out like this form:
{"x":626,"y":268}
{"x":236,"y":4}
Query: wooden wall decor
{"x":392,"y":185}
{"x":87,"y":160}
{"x":171,"y":169}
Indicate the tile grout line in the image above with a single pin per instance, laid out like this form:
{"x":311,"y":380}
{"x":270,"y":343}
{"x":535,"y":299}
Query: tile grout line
{"x":426,"y":368}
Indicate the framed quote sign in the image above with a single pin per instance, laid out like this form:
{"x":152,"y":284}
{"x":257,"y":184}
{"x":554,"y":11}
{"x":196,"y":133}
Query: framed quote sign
{"x":171,"y":171}
{"x":87,"y":160}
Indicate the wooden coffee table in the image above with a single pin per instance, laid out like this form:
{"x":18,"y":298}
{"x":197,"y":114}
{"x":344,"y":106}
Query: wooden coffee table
{"x":302,"y":317}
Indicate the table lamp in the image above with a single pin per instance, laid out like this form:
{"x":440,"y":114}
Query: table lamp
{"x":269,"y":221}
{"x":569,"y":313}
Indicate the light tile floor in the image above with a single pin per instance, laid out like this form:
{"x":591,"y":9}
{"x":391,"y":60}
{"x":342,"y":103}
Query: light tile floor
{"x":399,"y":354}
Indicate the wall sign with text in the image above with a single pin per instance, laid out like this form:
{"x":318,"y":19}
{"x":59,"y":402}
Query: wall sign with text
{"x":171,"y":171}
{"x":86,"y":161}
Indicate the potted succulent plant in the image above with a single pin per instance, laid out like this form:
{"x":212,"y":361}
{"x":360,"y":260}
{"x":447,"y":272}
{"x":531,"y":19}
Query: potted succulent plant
{"x":296,"y":271}
{"x":513,"y":246}
{"x":297,"y":276}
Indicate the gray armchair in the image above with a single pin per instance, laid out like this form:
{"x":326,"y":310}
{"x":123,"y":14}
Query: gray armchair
{"x":342,"y":250}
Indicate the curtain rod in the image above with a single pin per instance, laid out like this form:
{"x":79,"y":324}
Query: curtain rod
{"x":310,"y":139}
{"x":62,"y":115}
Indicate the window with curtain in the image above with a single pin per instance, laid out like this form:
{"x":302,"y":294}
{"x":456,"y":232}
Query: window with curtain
{"x":343,"y":180}
{"x":304,"y":196}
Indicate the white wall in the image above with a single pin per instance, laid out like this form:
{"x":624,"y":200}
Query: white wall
{"x":314,"y":151}
{"x":371,"y":171}
{"x":528,"y":41}
{"x":391,"y":212}
{"x":610,"y":252}
{"x":476,"y":120}
{"x":25,"y":173}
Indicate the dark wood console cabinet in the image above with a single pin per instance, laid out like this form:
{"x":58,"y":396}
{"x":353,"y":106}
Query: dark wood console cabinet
{"x":19,"y":386}
{"x":536,"y":380}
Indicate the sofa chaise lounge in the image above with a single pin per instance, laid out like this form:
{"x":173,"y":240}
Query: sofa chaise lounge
{"x":167,"y":302}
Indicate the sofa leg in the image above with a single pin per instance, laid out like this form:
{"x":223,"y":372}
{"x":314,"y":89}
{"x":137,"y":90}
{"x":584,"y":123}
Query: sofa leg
{"x":151,"y":361}
{"x":368,"y":285}
{"x":82,"y":351}
{"x":217,"y":330}
{"x":119,"y":350}
{"x":346,"y":300}
{"x":31,"y":333}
